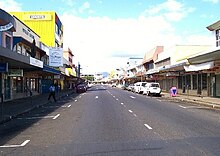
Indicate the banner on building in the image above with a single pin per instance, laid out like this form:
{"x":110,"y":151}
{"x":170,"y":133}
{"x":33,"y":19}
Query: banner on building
{"x":15,"y":72}
{"x":36,"y":62}
{"x":56,"y":57}
{"x":6,"y":27}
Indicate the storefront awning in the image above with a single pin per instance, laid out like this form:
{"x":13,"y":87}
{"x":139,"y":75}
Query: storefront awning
{"x":152,"y":71}
{"x":198,"y":67}
{"x":7,"y":22}
{"x":207,"y":57}
{"x":49,"y":69}
{"x":174,"y":67}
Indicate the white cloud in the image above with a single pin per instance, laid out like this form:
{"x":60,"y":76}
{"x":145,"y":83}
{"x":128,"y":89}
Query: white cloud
{"x":84,"y":7}
{"x":68,"y":2}
{"x":212,"y":1}
{"x":102,"y":43}
{"x":171,"y":10}
{"x":10,"y":5}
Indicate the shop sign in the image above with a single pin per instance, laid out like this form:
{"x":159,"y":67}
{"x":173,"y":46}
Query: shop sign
{"x":55,"y":57}
{"x":36,"y":62}
{"x":56,"y":76}
{"x":15,"y":72}
{"x":172,"y":74}
{"x":6,"y":27}
{"x":28,"y":33}
{"x":37,"y":17}
{"x":3,"y":67}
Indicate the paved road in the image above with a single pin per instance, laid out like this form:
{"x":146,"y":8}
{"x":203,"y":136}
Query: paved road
{"x":109,"y":121}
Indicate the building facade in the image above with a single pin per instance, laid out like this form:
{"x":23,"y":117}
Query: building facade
{"x":46,"y":24}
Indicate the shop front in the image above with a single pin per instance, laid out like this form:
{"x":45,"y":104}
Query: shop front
{"x":7,"y":27}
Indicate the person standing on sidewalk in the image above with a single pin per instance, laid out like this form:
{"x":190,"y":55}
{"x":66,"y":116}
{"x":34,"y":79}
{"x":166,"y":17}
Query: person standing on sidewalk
{"x":52,"y":90}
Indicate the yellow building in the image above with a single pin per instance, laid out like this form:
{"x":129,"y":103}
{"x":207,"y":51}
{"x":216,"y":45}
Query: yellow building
{"x":47,"y":24}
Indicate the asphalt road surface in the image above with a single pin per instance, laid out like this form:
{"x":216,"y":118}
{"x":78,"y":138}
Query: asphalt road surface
{"x":108,"y":121}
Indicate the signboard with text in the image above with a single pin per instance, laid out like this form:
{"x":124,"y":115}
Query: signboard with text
{"x":56,"y":57}
{"x":15,"y":72}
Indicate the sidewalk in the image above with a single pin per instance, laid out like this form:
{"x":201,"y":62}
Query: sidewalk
{"x":205,"y":101}
{"x":11,"y":109}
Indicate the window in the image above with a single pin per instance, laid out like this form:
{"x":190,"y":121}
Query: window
{"x":204,"y":81}
{"x":180,"y":86}
{"x":18,"y":48}
{"x":194,"y":82}
{"x":23,"y":51}
{"x":18,"y":84}
{"x":188,"y":81}
{"x":8,"y":42}
{"x":217,"y":38}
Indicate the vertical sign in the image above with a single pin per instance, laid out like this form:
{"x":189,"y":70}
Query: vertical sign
{"x":55,"y":57}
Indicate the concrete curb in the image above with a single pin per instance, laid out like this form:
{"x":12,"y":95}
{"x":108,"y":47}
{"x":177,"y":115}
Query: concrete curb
{"x":195,"y":101}
{"x":30,"y":109}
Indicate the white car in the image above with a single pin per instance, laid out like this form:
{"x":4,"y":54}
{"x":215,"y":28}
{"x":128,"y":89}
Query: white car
{"x":139,"y":87}
{"x":152,"y":88}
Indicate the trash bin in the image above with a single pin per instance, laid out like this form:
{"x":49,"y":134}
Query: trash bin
{"x":173,"y":91}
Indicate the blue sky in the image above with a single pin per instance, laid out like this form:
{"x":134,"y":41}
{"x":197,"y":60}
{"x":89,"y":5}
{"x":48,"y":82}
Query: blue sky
{"x":109,"y":31}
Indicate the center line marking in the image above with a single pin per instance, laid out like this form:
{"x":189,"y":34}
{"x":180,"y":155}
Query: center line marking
{"x":96,"y":97}
{"x":122,"y":103}
{"x":75,"y":100}
{"x":135,"y":115}
{"x":56,"y":116}
{"x":146,"y":125}
{"x":132,"y":97}
{"x":130,"y":111}
{"x":69,"y":106}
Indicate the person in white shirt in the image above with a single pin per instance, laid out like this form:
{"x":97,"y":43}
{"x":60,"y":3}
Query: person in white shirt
{"x":52,"y":90}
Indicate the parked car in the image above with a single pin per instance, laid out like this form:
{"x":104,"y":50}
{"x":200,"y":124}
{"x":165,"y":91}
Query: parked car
{"x":130,"y":87}
{"x":139,"y":87}
{"x":114,"y":84}
{"x":152,"y":88}
{"x":81,"y":88}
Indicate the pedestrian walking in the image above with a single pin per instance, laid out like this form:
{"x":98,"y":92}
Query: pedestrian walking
{"x":52,"y":92}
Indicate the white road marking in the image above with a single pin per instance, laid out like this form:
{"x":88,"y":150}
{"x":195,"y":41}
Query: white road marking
{"x":135,"y":115}
{"x":182,"y":106}
{"x":75,"y":100}
{"x":130,"y":111}
{"x":13,"y":146}
{"x":25,"y":143}
{"x":117,"y":99}
{"x":122,"y":103}
{"x":80,"y":96}
{"x":132,"y":97}
{"x":146,"y":125}
{"x":196,"y":107}
{"x":96,"y":97}
{"x":56,"y":116}
{"x":114,"y":96}
{"x":56,"y":106}
{"x":36,"y":117}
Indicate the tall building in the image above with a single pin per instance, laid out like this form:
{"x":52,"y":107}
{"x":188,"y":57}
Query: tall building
{"x":46,"y":24}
